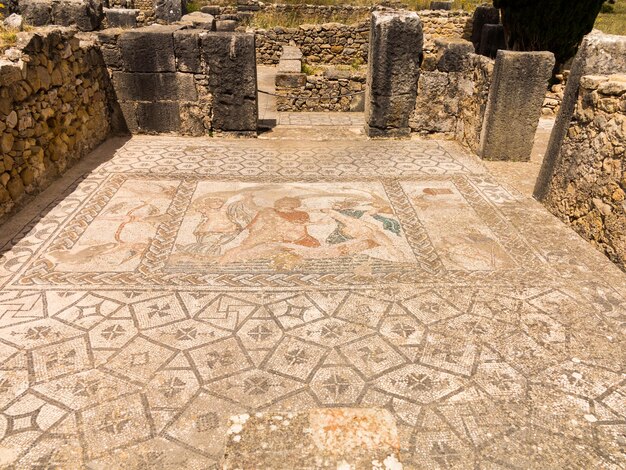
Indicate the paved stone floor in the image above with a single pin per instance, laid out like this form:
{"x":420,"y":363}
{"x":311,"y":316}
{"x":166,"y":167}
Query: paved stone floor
{"x":165,"y":284}
{"x":322,"y":119}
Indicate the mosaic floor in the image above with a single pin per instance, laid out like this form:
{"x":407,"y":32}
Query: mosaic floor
{"x":153,"y":293}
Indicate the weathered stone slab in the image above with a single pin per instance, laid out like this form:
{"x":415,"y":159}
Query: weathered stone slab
{"x":492,"y":40}
{"x":121,"y":17}
{"x":148,"y":49}
{"x":226,"y":25}
{"x":169,"y":11}
{"x":290,"y":80}
{"x":154,"y":86}
{"x":289,"y":66}
{"x":211,"y":9}
{"x":484,"y":14}
{"x":324,"y":439}
{"x":519,"y":85}
{"x":199,"y":20}
{"x":291,"y":53}
{"x":158,"y":117}
{"x":290,"y":60}
{"x":187,"y":49}
{"x":128,"y":110}
{"x":231,"y":59}
{"x":396,"y":41}
{"x":14,"y":22}
{"x":86,"y":15}
{"x":36,"y":12}
{"x":599,"y":54}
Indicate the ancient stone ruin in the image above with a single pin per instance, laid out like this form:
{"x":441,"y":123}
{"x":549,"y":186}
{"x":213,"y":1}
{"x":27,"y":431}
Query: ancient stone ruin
{"x":315,"y":246}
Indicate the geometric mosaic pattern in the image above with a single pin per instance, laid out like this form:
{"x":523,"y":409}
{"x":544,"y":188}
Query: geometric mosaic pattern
{"x":187,"y":280}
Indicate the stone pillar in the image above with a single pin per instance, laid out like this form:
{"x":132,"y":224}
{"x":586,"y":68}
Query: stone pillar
{"x":492,"y":40}
{"x":518,"y":88}
{"x":484,"y":14}
{"x":396,"y":41}
{"x":599,"y":54}
{"x":231,"y":60}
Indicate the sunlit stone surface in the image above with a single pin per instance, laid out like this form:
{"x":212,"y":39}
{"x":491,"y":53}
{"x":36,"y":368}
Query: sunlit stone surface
{"x":159,"y":289}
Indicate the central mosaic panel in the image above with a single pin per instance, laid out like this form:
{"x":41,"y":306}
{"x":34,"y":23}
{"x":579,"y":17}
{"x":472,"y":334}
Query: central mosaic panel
{"x":288,"y":225}
{"x":150,"y":230}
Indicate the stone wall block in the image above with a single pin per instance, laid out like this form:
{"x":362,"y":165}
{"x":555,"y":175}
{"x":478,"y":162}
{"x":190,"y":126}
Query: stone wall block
{"x":231,"y":60}
{"x":148,"y":49}
{"x":291,"y":80}
{"x":158,"y":117}
{"x":187,"y":50}
{"x":36,"y":12}
{"x":86,"y":15}
{"x":442,"y":5}
{"x":154,"y":86}
{"x":519,"y":85}
{"x":121,"y":17}
{"x":396,"y":41}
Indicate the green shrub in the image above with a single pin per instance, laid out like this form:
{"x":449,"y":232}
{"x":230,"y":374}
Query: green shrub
{"x":193,"y":6}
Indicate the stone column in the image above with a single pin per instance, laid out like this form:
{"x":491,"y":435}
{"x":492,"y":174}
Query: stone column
{"x":231,"y":61}
{"x":518,"y":88}
{"x":484,"y":14}
{"x":396,"y":41}
{"x":599,"y":54}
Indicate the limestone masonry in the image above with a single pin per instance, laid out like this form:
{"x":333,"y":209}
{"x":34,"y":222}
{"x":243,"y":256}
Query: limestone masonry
{"x":187,"y":81}
{"x":336,"y":43}
{"x":55,"y":107}
{"x":453,"y":89}
{"x":329,"y":90}
{"x":588,"y":189}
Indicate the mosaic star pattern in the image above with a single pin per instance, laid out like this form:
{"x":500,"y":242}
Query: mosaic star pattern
{"x":187,"y":280}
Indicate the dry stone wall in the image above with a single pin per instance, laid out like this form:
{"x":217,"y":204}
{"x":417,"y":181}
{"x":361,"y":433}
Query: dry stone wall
{"x":332,"y":90}
{"x":55,"y":107}
{"x":588,"y":187}
{"x":335,"y":43}
{"x":452,"y":95}
{"x":329,"y":43}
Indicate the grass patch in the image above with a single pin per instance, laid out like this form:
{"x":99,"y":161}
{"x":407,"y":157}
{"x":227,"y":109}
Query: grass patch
{"x":613,"y":22}
{"x":7,"y":38}
{"x":194,"y":6}
{"x":310,"y":69}
{"x":412,"y":4}
{"x":271,"y":19}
